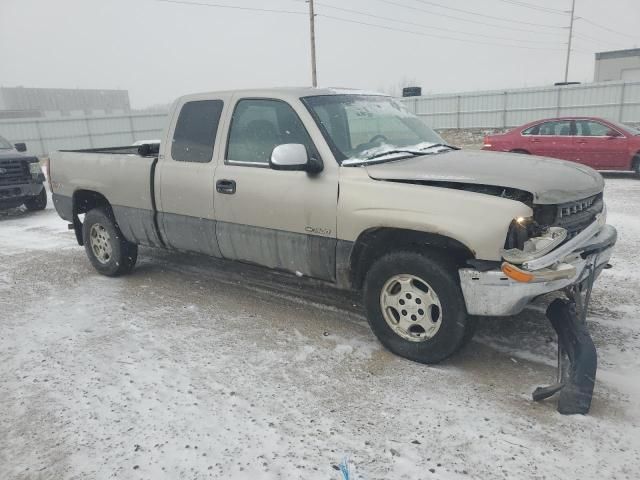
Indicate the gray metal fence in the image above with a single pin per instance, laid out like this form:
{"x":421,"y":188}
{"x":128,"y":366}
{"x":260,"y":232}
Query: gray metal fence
{"x":508,"y":108}
{"x":491,"y":109}
{"x":44,"y":135}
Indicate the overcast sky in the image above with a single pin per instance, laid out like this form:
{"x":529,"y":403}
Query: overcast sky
{"x":159,"y":50}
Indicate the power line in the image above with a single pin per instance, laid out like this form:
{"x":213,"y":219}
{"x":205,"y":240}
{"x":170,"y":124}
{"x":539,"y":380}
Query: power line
{"x":462,"y":19}
{"x":492,"y":17}
{"x":465,"y":40}
{"x":422,"y":25}
{"x":535,"y":7}
{"x":234,"y":7}
{"x":592,"y":39}
{"x":606,"y":28}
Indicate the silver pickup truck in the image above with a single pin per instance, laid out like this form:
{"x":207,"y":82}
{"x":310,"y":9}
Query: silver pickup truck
{"x":349,"y":188}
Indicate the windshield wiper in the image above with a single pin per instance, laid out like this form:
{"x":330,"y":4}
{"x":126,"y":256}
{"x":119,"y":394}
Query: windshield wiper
{"x":420,"y":151}
{"x":393,"y":152}
{"x":409,"y":152}
{"x":440,"y":145}
{"x":376,"y":158}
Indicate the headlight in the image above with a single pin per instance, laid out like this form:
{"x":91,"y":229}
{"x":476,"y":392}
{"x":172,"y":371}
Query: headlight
{"x":520,"y":230}
{"x":35,"y":169}
{"x":526,"y":240}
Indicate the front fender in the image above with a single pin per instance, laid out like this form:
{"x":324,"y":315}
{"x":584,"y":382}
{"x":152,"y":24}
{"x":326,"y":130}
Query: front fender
{"x":478,"y":221}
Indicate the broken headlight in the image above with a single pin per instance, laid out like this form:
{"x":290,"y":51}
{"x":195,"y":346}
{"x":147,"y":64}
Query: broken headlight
{"x":527,"y":240}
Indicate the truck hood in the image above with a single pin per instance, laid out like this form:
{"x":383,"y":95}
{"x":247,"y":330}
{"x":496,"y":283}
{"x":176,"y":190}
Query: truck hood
{"x":549,"y":181}
{"x":15,"y":155}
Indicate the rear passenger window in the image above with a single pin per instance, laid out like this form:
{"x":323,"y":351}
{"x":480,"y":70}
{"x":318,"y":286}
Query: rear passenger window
{"x":258,"y":126}
{"x":556,"y":128}
{"x":535,"y":130}
{"x":587,"y":128}
{"x":195,"y":131}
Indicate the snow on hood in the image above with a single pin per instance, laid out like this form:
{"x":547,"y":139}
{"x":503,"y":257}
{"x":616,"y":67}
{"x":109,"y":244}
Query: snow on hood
{"x":550,"y":181}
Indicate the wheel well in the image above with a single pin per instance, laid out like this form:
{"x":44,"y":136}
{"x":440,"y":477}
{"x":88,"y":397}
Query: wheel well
{"x":84,"y":201}
{"x":376,"y":242}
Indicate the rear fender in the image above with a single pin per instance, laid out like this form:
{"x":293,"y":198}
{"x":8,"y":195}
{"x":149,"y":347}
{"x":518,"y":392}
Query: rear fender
{"x":82,"y":202}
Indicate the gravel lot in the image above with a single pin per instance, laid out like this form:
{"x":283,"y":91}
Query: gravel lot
{"x":193,"y":368}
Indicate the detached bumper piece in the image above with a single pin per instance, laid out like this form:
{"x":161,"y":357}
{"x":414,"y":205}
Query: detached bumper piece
{"x":576,"y":380}
{"x":569,"y":319}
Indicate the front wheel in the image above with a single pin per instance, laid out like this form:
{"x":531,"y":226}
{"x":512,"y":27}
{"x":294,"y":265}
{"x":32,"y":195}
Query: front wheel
{"x":109,"y":252}
{"x":39,"y":202}
{"x":415,"y":306}
{"x":636,"y":165}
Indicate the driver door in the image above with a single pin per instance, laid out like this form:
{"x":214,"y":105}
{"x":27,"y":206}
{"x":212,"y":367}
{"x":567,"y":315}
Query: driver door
{"x":275,"y":218}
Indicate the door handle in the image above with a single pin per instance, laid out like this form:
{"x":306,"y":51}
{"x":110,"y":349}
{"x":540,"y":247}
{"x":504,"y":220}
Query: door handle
{"x":535,"y":140}
{"x":227,"y":187}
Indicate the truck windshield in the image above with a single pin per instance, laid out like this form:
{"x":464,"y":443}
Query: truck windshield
{"x":5,"y":145}
{"x":363,"y":127}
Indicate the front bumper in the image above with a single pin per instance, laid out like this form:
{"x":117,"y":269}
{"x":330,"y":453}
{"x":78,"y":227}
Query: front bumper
{"x":492,"y":293}
{"x":14,"y":195}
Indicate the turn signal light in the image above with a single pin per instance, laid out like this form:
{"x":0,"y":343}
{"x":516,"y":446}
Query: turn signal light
{"x":514,"y":273}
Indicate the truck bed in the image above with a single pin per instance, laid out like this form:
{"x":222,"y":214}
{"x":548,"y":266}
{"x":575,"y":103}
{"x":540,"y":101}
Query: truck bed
{"x":124,"y":176}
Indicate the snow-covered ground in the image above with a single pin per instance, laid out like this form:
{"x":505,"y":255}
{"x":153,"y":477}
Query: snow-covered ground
{"x":194,"y":368}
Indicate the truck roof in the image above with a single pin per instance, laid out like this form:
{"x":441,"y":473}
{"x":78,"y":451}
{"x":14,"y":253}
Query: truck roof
{"x":290,"y":92}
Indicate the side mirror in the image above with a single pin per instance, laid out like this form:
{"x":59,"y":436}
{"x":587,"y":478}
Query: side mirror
{"x":21,"y":147}
{"x":294,"y":156}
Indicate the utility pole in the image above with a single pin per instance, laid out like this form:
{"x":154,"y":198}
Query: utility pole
{"x":312,"y":28}
{"x":566,"y":68}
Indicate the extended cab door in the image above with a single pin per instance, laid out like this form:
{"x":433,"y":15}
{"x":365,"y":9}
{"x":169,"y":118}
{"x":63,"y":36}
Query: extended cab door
{"x":598,"y":148}
{"x":185,"y":176}
{"x":279,"y":219}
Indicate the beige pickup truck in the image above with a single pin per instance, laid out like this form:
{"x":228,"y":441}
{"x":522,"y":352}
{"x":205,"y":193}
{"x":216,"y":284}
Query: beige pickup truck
{"x":349,"y":188}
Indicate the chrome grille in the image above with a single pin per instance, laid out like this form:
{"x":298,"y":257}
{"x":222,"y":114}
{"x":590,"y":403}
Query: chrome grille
{"x":13,"y":172}
{"x":576,"y":216}
{"x":567,"y":210}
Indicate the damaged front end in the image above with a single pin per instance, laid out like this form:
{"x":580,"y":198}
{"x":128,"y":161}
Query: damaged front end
{"x":561,"y":248}
{"x":560,"y":229}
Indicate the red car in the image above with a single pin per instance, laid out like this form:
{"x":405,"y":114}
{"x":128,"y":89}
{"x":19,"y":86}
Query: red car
{"x":598,"y":143}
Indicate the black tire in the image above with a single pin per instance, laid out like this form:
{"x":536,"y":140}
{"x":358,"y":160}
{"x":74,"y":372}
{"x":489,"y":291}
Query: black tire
{"x":455,"y":328}
{"x":110,"y":253}
{"x":39,"y":202}
{"x":636,"y":165}
{"x":520,"y":151}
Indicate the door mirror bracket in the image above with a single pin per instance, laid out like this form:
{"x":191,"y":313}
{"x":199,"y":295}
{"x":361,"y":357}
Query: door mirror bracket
{"x":613,"y":134}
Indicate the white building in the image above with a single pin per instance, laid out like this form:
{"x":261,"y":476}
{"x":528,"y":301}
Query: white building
{"x":618,"y":65}
{"x":62,"y":102}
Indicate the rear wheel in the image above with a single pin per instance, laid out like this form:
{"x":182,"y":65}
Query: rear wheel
{"x":39,"y":202}
{"x":636,"y":165}
{"x":109,"y":252}
{"x":415,"y":306}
